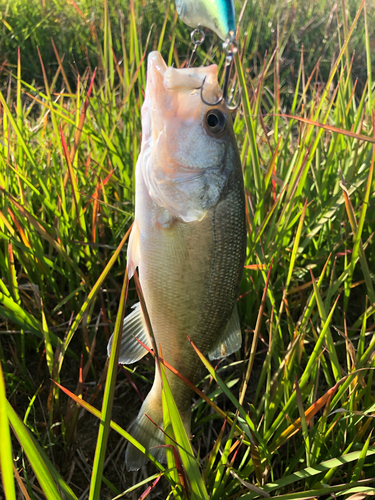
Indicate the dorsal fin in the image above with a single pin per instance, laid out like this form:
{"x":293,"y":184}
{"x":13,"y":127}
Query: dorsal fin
{"x":230,"y":340}
{"x":134,"y":328}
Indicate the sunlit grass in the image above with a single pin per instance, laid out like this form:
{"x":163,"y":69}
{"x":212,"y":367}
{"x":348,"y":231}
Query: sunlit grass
{"x":291,"y":415}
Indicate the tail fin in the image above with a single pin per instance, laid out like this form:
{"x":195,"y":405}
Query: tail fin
{"x":147,"y":433}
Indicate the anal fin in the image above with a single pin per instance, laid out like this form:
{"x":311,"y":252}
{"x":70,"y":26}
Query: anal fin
{"x":230,"y":340}
{"x":134,"y":328}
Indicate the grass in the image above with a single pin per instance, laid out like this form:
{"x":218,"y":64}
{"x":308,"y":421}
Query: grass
{"x":291,"y":415}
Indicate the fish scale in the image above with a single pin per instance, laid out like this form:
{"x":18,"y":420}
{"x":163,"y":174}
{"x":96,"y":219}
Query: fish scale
{"x":220,"y":291}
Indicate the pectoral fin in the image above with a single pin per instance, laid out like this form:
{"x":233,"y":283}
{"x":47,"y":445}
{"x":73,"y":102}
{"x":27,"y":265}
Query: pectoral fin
{"x":134,"y":328}
{"x":230,"y":340}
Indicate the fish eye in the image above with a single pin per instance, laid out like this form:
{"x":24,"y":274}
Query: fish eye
{"x":216,"y":121}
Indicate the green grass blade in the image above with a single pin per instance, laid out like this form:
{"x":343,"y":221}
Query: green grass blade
{"x":6,"y":457}
{"x":161,"y":37}
{"x":359,"y":486}
{"x":361,"y":460}
{"x":329,"y":340}
{"x":250,"y":428}
{"x":358,"y":233}
{"x":187,"y":456}
{"x":305,"y":431}
{"x":316,"y":469}
{"x":170,"y":446}
{"x":101,"y":446}
{"x":368,"y":60}
{"x":49,"y":479}
{"x":296,"y":245}
{"x":258,"y":179}
{"x":318,"y":346}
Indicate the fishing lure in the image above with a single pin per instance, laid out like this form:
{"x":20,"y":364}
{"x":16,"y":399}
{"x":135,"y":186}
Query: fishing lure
{"x":218,"y":15}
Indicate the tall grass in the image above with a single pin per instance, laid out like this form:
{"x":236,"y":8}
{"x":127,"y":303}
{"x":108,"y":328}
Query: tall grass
{"x":291,"y":415}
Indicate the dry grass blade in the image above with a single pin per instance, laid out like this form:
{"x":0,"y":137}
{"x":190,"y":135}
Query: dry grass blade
{"x":330,"y":128}
{"x":255,"y":338}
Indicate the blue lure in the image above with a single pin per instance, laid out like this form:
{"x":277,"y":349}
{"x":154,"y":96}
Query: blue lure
{"x":218,"y":15}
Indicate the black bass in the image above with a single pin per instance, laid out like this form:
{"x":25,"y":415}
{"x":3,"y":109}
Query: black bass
{"x":188,"y":239}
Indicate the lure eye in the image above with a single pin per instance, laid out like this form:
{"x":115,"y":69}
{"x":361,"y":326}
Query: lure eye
{"x":215,"y":121}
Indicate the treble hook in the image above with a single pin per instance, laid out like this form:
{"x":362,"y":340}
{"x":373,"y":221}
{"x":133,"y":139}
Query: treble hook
{"x":230,"y":50}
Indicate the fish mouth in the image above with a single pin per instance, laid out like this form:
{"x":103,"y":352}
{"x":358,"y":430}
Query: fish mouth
{"x":175,"y":91}
{"x":162,"y":78}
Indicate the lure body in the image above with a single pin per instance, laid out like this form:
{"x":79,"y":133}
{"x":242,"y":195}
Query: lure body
{"x":218,"y":15}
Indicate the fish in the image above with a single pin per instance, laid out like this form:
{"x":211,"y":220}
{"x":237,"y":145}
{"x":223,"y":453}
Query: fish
{"x":188,"y":239}
{"x":218,"y":15}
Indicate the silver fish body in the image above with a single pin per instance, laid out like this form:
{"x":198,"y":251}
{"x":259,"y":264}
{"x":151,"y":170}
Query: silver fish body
{"x":218,"y":15}
{"x":188,"y":239}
